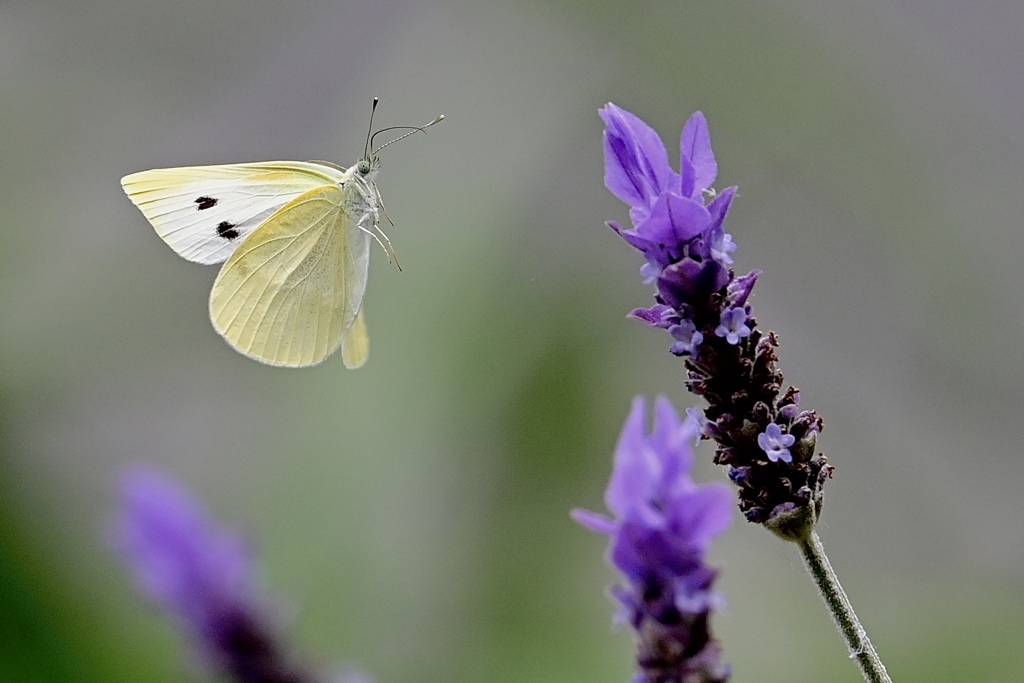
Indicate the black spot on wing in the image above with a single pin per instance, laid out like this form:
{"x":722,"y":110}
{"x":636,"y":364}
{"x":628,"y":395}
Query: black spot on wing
{"x":227,"y":231}
{"x":205,"y":202}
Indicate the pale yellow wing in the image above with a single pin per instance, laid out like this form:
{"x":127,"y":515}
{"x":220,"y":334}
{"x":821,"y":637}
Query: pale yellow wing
{"x":205,"y":212}
{"x":355,"y":345}
{"x":292,"y":288}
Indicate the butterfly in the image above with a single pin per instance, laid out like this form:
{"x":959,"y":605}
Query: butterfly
{"x":294,"y":237}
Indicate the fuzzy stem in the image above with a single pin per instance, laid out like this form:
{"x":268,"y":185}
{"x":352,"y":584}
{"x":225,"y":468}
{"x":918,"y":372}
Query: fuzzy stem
{"x":839,"y":605}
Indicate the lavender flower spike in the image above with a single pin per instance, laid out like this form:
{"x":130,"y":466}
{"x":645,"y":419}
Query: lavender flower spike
{"x":202,"y":574}
{"x":663,"y":525}
{"x":678,"y":224}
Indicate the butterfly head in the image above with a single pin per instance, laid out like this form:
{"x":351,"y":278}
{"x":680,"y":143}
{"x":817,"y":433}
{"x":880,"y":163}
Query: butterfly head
{"x":368,"y":167}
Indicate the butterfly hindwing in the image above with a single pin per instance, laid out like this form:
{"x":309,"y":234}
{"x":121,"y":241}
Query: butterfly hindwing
{"x":355,"y":346}
{"x":293,"y":288}
{"x":205,"y":212}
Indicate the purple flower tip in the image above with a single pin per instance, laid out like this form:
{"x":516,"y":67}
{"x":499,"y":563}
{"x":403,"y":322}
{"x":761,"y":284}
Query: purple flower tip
{"x":733,"y":325}
{"x":775,"y":444}
{"x":670,"y":220}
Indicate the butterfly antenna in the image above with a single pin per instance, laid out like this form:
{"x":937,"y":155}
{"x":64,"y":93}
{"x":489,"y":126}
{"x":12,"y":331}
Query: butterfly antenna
{"x":369,"y":138}
{"x":412,"y":131}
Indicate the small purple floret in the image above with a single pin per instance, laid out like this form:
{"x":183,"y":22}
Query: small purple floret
{"x":733,"y":325}
{"x":775,"y":444}
{"x":687,"y":337}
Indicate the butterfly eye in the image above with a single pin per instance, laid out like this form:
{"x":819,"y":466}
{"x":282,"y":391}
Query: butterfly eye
{"x":363,"y":166}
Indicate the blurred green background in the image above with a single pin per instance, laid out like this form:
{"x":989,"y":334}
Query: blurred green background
{"x":413,"y":514}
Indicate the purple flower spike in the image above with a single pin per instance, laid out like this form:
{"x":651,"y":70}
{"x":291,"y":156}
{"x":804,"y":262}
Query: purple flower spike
{"x":775,"y":444}
{"x":733,"y":325}
{"x":201,"y":573}
{"x":678,"y":224}
{"x":663,"y":525}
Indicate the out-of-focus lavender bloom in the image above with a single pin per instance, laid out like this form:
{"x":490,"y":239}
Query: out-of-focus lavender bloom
{"x":663,"y":524}
{"x":202,"y":574}
{"x":678,"y":224}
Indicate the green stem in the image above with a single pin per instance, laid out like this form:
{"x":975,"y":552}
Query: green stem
{"x":839,"y":605}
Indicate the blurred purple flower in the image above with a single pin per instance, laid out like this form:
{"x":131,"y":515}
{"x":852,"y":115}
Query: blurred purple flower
{"x":663,"y":524}
{"x":201,"y":573}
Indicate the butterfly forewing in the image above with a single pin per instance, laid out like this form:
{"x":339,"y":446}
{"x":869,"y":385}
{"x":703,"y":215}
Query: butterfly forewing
{"x":205,"y":212}
{"x":292,"y":289}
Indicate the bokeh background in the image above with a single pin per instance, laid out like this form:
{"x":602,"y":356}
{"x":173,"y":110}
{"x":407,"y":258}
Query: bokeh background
{"x":412,"y":515}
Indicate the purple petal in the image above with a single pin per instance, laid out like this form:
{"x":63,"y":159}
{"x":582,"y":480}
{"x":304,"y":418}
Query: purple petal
{"x":688,"y":281}
{"x":695,"y":146}
{"x":593,"y":521}
{"x":671,"y":441}
{"x":659,"y":315}
{"x":675,"y":220}
{"x":651,"y":250}
{"x":719,"y":206}
{"x":633,"y":470}
{"x":636,"y":162}
{"x":702,"y":513}
{"x":740,"y":288}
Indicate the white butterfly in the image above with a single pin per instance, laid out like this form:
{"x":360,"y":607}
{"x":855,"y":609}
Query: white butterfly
{"x":295,"y":236}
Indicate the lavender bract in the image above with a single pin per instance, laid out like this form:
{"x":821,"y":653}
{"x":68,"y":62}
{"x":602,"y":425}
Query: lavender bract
{"x":678,"y":225}
{"x":663,"y":525}
{"x":204,"y":575}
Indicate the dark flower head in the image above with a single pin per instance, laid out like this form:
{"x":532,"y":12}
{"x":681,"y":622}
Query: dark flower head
{"x":663,"y":524}
{"x":202,"y":574}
